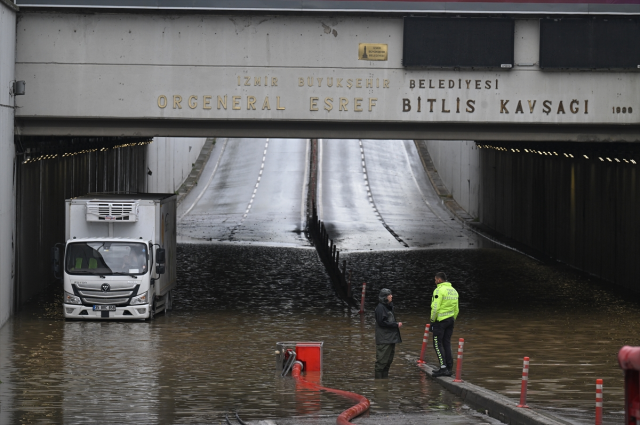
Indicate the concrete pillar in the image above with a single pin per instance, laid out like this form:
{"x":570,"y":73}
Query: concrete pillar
{"x":7,"y":157}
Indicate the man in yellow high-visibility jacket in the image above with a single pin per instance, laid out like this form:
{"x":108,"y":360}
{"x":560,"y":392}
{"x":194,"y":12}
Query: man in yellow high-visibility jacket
{"x":444,"y":312}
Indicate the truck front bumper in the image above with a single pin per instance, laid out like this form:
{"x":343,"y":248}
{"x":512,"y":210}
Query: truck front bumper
{"x":135,"y":312}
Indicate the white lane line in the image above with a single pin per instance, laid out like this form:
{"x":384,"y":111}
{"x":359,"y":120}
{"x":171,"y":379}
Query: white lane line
{"x":208,"y":182}
{"x":372,"y":202}
{"x":319,"y":182}
{"x":255,"y":189}
{"x":305,"y":185}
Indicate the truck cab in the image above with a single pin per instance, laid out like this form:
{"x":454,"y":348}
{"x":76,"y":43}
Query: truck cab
{"x":119,"y":258}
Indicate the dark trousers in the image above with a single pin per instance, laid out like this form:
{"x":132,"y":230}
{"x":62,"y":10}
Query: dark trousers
{"x":384,"y":358}
{"x":442,"y":332}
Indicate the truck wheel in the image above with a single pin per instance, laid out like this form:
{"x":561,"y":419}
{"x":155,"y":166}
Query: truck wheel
{"x":152,"y":310}
{"x":168,"y":303}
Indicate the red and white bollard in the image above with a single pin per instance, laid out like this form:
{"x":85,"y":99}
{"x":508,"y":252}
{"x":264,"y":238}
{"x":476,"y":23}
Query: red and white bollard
{"x":459,"y":365}
{"x":364,"y":291}
{"x":425,"y":340}
{"x":525,"y":381}
{"x":598,"y":401}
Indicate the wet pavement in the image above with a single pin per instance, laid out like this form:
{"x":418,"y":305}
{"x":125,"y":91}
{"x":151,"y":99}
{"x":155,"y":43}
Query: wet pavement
{"x":375,"y":195}
{"x":250,"y":191}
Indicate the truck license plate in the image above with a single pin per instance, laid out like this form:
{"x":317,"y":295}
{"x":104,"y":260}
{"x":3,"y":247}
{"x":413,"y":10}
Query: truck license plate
{"x":104,"y":308}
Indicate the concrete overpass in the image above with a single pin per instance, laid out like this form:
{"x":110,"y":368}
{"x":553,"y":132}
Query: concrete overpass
{"x":153,"y":72}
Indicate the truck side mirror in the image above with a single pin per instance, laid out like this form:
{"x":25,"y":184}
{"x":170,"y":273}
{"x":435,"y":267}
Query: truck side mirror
{"x":160,"y":260}
{"x":56,"y":255}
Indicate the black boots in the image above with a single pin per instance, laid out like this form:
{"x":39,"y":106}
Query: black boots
{"x":443,"y":371}
{"x":382,"y":375}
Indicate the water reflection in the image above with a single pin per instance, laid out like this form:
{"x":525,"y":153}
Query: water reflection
{"x":214,"y":353}
{"x":110,"y":366}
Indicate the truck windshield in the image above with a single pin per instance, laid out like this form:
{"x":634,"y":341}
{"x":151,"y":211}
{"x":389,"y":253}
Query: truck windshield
{"x":107,"y":258}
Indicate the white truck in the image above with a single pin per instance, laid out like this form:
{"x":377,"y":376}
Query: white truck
{"x":119,"y":261}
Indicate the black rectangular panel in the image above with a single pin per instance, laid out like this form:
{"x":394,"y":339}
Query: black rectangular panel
{"x":458,"y":42}
{"x":588,"y":43}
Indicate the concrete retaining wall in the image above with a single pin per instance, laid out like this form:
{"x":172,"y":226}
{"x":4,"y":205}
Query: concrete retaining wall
{"x":573,"y":202}
{"x":7,"y":154}
{"x":458,"y":164}
{"x":170,"y":160}
{"x":42,"y":187}
{"x":583,"y":212}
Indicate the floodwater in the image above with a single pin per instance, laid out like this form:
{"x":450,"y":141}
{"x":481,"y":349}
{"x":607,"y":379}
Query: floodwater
{"x":214,"y":353}
{"x":571,"y":326}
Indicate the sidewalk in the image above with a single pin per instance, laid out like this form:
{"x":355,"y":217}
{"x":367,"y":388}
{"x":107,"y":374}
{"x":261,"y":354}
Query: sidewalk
{"x":496,"y":405}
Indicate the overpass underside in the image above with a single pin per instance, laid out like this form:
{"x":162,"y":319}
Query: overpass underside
{"x":326,"y":129}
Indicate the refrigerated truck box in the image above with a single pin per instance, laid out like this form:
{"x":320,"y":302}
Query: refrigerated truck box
{"x":119,"y":259}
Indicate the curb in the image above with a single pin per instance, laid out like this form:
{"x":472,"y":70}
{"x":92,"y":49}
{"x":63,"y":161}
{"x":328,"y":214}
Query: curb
{"x":495,"y":405}
{"x":196,"y":171}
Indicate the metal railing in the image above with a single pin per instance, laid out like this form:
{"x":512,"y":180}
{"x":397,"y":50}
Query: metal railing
{"x":330,"y":257}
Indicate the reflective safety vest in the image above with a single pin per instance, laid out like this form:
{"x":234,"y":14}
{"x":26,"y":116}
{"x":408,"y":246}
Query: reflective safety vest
{"x":444,"y":303}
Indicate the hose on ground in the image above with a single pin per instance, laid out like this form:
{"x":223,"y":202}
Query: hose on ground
{"x":226,"y":416}
{"x":344,"y":417}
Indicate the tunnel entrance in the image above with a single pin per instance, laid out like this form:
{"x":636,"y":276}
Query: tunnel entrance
{"x":244,"y":259}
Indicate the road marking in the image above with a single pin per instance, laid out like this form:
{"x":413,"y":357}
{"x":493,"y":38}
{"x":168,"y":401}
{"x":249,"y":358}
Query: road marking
{"x":372,"y":202}
{"x":208,"y":182}
{"x":253,"y":195}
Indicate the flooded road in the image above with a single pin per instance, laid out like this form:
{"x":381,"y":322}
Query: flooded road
{"x":511,"y":306}
{"x":214,"y":353}
{"x":253,"y":279}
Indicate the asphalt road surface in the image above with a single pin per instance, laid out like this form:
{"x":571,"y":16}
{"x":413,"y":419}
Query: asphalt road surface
{"x":372,"y":195}
{"x":251,"y":191}
{"x":375,"y":195}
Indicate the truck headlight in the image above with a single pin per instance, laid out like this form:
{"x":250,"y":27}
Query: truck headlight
{"x":139,"y":299}
{"x":71,"y":299}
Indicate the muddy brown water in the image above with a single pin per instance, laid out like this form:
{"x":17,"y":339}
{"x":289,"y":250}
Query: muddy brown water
{"x":214,"y":353}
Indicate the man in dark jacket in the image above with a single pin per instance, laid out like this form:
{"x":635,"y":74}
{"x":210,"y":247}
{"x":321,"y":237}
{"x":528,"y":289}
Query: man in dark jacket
{"x":387,"y":334}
